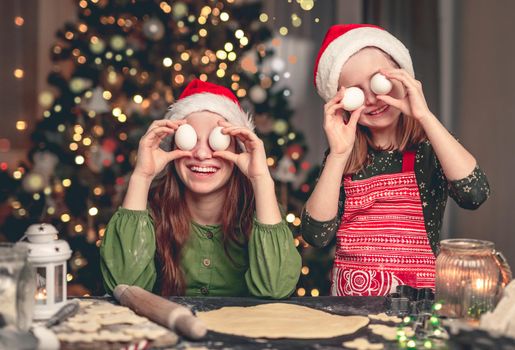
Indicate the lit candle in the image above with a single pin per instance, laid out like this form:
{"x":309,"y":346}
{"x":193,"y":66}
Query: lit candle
{"x":41,"y":296}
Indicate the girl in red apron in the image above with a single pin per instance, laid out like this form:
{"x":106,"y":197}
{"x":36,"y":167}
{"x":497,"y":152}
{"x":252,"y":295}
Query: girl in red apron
{"x":385,"y":211}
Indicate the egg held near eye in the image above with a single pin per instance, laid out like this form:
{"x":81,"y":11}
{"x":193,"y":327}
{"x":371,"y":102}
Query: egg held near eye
{"x":219,"y":141}
{"x":185,"y":137}
{"x":353,"y":99}
{"x":380,"y":85}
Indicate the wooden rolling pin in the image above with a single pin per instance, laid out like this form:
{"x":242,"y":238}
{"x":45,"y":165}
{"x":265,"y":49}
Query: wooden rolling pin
{"x":171,"y":315}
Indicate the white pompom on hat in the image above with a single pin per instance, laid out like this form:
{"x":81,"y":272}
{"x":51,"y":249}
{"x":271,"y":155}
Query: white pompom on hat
{"x":344,"y":40}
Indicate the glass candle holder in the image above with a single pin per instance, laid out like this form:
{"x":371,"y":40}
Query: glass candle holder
{"x":469,"y":278}
{"x":16,"y":287}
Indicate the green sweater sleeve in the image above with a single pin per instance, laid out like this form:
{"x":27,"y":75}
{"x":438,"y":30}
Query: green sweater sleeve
{"x":128,"y":249}
{"x":274,"y":262}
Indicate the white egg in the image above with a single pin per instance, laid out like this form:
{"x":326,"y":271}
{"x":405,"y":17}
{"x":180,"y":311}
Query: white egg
{"x":353,"y":99}
{"x":219,"y":141}
{"x":185,"y":137}
{"x":380,"y":85}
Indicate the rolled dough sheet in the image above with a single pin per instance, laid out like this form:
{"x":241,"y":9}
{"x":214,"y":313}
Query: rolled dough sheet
{"x":280,"y":320}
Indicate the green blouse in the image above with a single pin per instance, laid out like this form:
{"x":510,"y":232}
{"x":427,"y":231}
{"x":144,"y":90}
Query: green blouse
{"x":268,"y":267}
{"x":469,"y":193}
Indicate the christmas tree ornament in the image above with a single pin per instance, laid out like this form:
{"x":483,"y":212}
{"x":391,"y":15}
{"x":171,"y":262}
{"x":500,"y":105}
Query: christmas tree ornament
{"x":96,"y":45}
{"x":98,"y":158}
{"x":219,"y":141}
{"x":33,"y":182}
{"x":180,"y":10}
{"x":117,"y":42}
{"x":264,"y":123}
{"x":280,"y":127}
{"x":39,"y":177}
{"x":380,"y":85}
{"x":111,"y":79}
{"x":46,"y":98}
{"x":257,"y":94}
{"x":185,"y":137}
{"x":96,"y":103}
{"x":79,"y":84}
{"x":353,"y":99}
{"x":277,"y":64}
{"x":285,"y":171}
{"x":153,"y":29}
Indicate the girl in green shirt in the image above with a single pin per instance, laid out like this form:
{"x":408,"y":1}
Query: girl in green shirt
{"x":213,"y":226}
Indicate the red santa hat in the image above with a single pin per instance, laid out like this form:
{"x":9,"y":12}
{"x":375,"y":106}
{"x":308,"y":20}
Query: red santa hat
{"x":204,"y":96}
{"x":344,"y":40}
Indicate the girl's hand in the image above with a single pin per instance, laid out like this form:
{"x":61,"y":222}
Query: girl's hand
{"x":414,"y":103}
{"x":252,"y":162}
{"x":340,"y":134}
{"x":151,"y":158}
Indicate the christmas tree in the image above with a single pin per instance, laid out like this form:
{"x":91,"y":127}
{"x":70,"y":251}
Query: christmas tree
{"x":116,"y":70}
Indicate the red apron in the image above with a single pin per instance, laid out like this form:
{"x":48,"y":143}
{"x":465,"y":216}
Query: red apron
{"x":382,"y":240}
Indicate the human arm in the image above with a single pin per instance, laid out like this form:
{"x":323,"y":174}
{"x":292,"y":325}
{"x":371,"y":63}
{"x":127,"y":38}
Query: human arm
{"x":457,"y":163}
{"x":320,"y":233}
{"x":128,"y":249}
{"x":151,"y":160}
{"x":322,"y":204}
{"x":274,"y":262}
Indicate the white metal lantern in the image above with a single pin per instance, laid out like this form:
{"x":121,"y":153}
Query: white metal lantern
{"x":48,"y":255}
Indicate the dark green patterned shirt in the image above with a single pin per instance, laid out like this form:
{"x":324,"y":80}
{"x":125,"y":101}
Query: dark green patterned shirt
{"x":469,"y":193}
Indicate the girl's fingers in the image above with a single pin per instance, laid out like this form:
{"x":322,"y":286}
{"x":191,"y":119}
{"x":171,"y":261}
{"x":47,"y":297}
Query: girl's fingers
{"x":168,"y":123}
{"x":243,"y":134}
{"x":336,"y":99}
{"x":355,"y":115}
{"x":402,"y":76}
{"x":157,"y":133}
{"x":332,"y":110}
{"x":178,"y":153}
{"x":391,"y":101}
{"x":160,"y":130}
{"x":230,"y":156}
{"x":224,"y":123}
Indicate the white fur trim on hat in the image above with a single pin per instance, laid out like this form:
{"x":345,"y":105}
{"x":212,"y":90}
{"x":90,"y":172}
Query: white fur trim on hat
{"x":346,"y":45}
{"x":206,"y":101}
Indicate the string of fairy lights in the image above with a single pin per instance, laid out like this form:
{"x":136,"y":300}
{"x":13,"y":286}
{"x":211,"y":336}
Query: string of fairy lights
{"x":114,"y":54}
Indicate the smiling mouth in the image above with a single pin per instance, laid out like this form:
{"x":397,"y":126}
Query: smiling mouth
{"x":379,"y":110}
{"x":203,"y":170}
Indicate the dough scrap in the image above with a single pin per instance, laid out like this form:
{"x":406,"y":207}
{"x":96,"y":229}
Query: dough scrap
{"x":74,"y":337}
{"x":362,"y":344}
{"x":389,"y":333}
{"x":146,"y":333}
{"x":85,"y":327}
{"x":116,"y":319}
{"x":280,"y":320}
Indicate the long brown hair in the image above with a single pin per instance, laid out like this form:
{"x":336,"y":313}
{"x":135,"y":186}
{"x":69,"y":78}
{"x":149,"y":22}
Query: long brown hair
{"x":172,"y":221}
{"x":409,"y":134}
